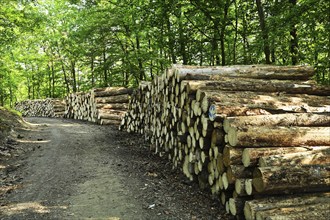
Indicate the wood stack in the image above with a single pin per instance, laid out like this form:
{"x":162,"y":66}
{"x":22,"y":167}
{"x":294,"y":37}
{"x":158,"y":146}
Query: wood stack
{"x":41,"y":108}
{"x":244,"y":131}
{"x":105,"y":106}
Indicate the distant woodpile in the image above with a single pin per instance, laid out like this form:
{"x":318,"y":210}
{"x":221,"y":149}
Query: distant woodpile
{"x":248,"y":133}
{"x":42,"y":108}
{"x":105,"y":106}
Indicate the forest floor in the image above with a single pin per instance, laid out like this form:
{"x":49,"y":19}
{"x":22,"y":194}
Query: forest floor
{"x":65,"y":169}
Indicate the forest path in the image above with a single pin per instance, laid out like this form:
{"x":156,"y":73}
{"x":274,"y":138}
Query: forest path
{"x":79,"y":170}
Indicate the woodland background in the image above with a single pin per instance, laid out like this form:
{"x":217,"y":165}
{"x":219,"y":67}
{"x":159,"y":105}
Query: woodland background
{"x":49,"y":48}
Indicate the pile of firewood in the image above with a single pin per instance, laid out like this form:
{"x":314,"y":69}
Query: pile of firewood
{"x":105,"y":106}
{"x":41,"y":108}
{"x":248,"y":133}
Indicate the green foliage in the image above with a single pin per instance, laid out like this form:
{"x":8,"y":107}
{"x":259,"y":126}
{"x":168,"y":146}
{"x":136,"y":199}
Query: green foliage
{"x":51,"y":48}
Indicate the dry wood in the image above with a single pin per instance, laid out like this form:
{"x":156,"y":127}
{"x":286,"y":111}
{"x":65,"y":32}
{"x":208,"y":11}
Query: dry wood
{"x":294,"y":119}
{"x":217,"y":137}
{"x":315,"y":157}
{"x":250,"y":156}
{"x":263,"y":136}
{"x":113,"y":99}
{"x":111,"y":91}
{"x":288,"y":179}
{"x":117,"y":106}
{"x":259,"y":85}
{"x":232,"y":155}
{"x":319,"y":211}
{"x":269,"y":203}
{"x":110,"y":116}
{"x":249,"y":104}
{"x":238,"y":172}
{"x":246,"y":71}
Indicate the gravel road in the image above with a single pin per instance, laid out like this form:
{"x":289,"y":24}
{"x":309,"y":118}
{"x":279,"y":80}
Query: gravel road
{"x":79,"y":170}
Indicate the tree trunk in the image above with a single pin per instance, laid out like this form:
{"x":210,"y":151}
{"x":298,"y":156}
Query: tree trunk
{"x":264,"y":30}
{"x":258,"y":85}
{"x":314,"y":211}
{"x":232,"y":156}
{"x":289,"y":179}
{"x":250,"y":156}
{"x":279,"y":136}
{"x":293,"y":39}
{"x":302,"y":158}
{"x":294,"y":119}
{"x":112,"y":99}
{"x":254,"y":206}
{"x":246,"y":71}
{"x":111,"y":91}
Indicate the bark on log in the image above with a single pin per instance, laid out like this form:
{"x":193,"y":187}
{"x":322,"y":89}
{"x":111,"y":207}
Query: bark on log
{"x":110,"y":116}
{"x":238,"y":172}
{"x":246,"y":71}
{"x":232,"y":155}
{"x":319,"y":211}
{"x":229,"y":104}
{"x":117,"y":106}
{"x":269,"y":203}
{"x":293,"y":119}
{"x":250,"y":156}
{"x":113,"y":99}
{"x":217,"y":137}
{"x":279,"y":136}
{"x":111,"y":91}
{"x":288,"y":179}
{"x":320,"y":157}
{"x":260,"y":85}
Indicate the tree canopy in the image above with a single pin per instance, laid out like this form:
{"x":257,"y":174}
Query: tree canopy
{"x":50,"y":48}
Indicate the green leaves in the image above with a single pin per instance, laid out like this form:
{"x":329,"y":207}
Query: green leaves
{"x":51,"y":48}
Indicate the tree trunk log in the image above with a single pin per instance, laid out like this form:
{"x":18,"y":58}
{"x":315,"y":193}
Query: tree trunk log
{"x":288,"y":179}
{"x":111,"y":91}
{"x":320,"y":211}
{"x":260,"y":85}
{"x":247,"y":71}
{"x":294,"y":119}
{"x":117,"y":106}
{"x":279,"y":136}
{"x":238,"y":172}
{"x":269,"y":203}
{"x":302,"y":158}
{"x":232,"y":155}
{"x":250,"y":156}
{"x":113,"y":99}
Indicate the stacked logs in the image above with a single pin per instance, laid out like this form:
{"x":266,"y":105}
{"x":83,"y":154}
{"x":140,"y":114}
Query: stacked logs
{"x":41,"y":108}
{"x":245,"y":132}
{"x":105,"y":106}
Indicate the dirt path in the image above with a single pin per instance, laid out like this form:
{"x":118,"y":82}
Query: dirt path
{"x":79,"y":170}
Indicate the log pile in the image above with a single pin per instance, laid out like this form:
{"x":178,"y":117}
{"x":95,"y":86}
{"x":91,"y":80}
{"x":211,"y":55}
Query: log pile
{"x":41,"y":108}
{"x":248,"y":133}
{"x":105,"y":106}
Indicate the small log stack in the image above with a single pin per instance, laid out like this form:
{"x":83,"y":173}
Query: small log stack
{"x":244,"y":132}
{"x":41,"y":108}
{"x":105,"y":106}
